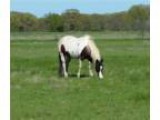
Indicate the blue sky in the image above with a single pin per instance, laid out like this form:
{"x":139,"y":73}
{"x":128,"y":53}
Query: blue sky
{"x":42,"y":7}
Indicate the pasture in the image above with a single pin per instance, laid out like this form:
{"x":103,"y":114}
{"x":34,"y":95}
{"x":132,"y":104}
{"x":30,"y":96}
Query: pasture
{"x":37,"y":93}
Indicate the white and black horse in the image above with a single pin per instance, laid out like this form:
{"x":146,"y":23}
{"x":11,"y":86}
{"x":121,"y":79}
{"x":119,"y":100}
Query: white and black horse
{"x":80,"y":48}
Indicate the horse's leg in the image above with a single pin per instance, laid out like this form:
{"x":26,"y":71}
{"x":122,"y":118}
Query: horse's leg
{"x":68,"y":59}
{"x":79,"y":70}
{"x":60,"y":66}
{"x":90,"y":69}
{"x":64,"y":65}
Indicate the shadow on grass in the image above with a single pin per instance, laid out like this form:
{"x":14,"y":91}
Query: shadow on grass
{"x":81,"y":76}
{"x":75,"y":76}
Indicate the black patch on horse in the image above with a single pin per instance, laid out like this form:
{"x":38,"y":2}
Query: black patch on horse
{"x":86,"y":54}
{"x":63,"y":49}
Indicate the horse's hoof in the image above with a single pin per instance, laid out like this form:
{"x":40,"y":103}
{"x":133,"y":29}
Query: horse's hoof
{"x":78,"y":75}
{"x":100,"y":78}
{"x":91,"y":75}
{"x":66,"y":75}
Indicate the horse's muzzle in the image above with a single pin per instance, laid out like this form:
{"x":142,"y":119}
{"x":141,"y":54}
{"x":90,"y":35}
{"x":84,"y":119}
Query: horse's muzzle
{"x":100,"y":75}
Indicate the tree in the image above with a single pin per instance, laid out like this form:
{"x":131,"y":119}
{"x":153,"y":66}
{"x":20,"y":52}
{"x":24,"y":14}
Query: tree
{"x":23,"y":22}
{"x":136,"y":18}
{"x":54,"y":22}
{"x":72,"y":20}
{"x":139,"y":16}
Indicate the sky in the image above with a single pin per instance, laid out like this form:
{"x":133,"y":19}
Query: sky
{"x":42,"y":7}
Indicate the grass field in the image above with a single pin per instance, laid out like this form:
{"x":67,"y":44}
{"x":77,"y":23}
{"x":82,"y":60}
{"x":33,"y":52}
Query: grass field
{"x":37,"y":93}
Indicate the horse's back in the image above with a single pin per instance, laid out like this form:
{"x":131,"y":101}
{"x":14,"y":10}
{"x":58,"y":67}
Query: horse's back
{"x":73,"y":45}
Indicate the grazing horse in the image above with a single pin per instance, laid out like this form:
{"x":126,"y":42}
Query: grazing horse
{"x":80,"y":48}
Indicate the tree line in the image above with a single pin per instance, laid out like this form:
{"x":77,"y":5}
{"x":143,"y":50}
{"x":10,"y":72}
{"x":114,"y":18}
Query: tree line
{"x":137,"y":18}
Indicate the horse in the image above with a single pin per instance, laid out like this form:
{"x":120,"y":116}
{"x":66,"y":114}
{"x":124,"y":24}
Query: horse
{"x":79,"y":48}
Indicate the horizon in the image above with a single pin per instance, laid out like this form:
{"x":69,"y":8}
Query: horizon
{"x":40,"y":8}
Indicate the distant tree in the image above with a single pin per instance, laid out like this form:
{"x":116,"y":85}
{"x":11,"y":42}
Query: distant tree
{"x":72,"y":11}
{"x":85,"y":22}
{"x":139,"y":15}
{"x":96,"y":23}
{"x":43,"y":26}
{"x":23,"y":22}
{"x":72,"y":20}
{"x":15,"y":21}
{"x":116,"y":21}
{"x":53,"y":22}
{"x":136,"y":18}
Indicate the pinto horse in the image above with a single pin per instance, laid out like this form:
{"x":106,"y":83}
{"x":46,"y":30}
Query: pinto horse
{"x":81,"y":48}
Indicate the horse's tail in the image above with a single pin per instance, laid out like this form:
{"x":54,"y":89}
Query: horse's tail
{"x":60,"y":71}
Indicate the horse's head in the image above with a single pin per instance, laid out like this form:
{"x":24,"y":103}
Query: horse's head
{"x":99,"y":68}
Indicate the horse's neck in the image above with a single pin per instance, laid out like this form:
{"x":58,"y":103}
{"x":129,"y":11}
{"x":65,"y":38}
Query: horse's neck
{"x":94,"y":52}
{"x":95,"y":57}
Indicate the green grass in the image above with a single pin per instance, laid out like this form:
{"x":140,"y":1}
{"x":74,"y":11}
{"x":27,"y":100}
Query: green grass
{"x":37,"y":93}
{"x":94,"y":34}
